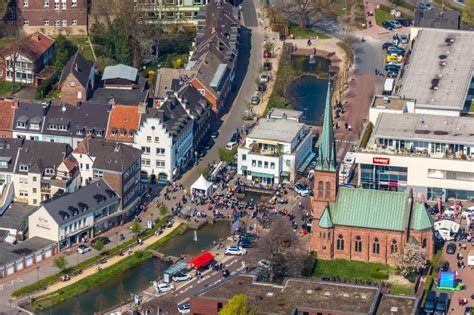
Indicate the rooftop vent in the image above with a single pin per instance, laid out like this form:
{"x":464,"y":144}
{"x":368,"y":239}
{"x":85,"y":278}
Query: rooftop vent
{"x":435,"y":83}
{"x":270,"y":294}
{"x":394,"y":309}
{"x":345,"y":294}
{"x":363,"y":296}
{"x":443,"y":63}
{"x":309,"y":291}
{"x":440,"y":132}
{"x":443,"y":57}
{"x":422,"y":132}
{"x":327,"y":293}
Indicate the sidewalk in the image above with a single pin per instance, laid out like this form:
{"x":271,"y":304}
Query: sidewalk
{"x":110,"y":261}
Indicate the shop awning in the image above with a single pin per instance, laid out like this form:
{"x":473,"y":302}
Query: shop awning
{"x":202,"y":260}
{"x":263,"y":175}
{"x":306,"y":162}
{"x":284,"y":174}
{"x":176,"y":268}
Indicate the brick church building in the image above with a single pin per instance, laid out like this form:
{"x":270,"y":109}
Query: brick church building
{"x":362,"y":224}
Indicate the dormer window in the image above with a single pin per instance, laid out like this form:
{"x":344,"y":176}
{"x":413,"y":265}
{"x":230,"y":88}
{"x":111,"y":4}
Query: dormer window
{"x":123,"y":131}
{"x":34,"y":126}
{"x":49,"y":171}
{"x":21,"y":124}
{"x":62,"y":127}
{"x":52,"y":127}
{"x":89,"y":131}
{"x":80,"y":132}
{"x":114,"y":131}
{"x":24,"y":168}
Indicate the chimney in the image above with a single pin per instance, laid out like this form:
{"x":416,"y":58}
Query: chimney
{"x":36,"y":36}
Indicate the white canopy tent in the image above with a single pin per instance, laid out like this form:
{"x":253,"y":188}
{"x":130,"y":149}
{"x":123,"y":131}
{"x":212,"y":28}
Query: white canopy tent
{"x":202,"y":185}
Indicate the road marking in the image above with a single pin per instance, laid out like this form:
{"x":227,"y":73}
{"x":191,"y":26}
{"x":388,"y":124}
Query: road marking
{"x":203,"y":278}
{"x":10,"y":284}
{"x":152,"y":294}
{"x":186,"y":289}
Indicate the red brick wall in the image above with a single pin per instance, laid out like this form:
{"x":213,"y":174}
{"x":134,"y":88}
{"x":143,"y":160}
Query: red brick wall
{"x":35,"y":13}
{"x":428,"y":236}
{"x":205,"y":306}
{"x":69,"y":93}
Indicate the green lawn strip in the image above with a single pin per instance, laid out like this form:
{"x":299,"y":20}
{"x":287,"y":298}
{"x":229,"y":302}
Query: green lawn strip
{"x":53,"y":278}
{"x":83,"y":285}
{"x":382,"y":15}
{"x":6,"y":87}
{"x":401,"y":289}
{"x":352,"y":270}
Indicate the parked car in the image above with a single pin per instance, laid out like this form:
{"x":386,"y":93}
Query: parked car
{"x":235,"y":251}
{"x":396,"y":24}
{"x":255,"y":100}
{"x":405,"y":22}
{"x":468,"y":310}
{"x":82,"y":249}
{"x":388,"y":25}
{"x":246,"y":243}
{"x":262,"y":87}
{"x":267,"y":66}
{"x":404,"y":39}
{"x":264,"y":264}
{"x":451,"y":248}
{"x":164,"y":287}
{"x":214,"y":133}
{"x":430,"y":302}
{"x":302,"y":190}
{"x":425,"y":6}
{"x":442,"y":304}
{"x":267,"y":54}
{"x":182,"y":277}
{"x":264,"y":78}
{"x":393,"y":57}
{"x":184,"y":308}
{"x":396,"y":50}
{"x":209,"y":144}
{"x":392,"y":74}
{"x":392,"y":67}
{"x":445,"y":266}
{"x":103,"y":239}
{"x":386,"y":45}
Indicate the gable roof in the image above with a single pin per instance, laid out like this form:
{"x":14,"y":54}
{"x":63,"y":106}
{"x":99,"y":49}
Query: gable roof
{"x":420,"y":219}
{"x":120,"y":71}
{"x":89,"y":116}
{"x":120,"y":96}
{"x":112,"y":156}
{"x":9,"y":152}
{"x":371,"y":209}
{"x":193,"y":101}
{"x":32,"y":46}
{"x":325,"y":221}
{"x":7,"y":110}
{"x":69,"y":207}
{"x":39,"y":155}
{"x":29,"y":112}
{"x":166,"y":80}
{"x":123,"y":117}
{"x":171,"y":115}
{"x":59,"y":115}
{"x":79,"y":67}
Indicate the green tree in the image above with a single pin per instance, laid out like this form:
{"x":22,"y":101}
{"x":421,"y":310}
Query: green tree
{"x":99,"y":246}
{"x":204,"y":171}
{"x":64,"y":49}
{"x":136,"y":228}
{"x":163,"y":210}
{"x":237,"y":305}
{"x":468,"y":12}
{"x":227,"y":155}
{"x":60,"y":262}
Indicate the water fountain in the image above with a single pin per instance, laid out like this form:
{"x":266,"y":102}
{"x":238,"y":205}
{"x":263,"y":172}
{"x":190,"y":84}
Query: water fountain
{"x":312,"y":59}
{"x":195,"y":237}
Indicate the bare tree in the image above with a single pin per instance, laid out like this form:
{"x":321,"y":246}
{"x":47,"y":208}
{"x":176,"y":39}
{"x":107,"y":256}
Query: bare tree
{"x":283,"y":249}
{"x":100,"y":302}
{"x":302,"y":10}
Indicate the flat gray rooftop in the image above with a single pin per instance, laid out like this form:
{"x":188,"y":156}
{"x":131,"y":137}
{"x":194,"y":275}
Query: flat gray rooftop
{"x":9,"y":253}
{"x":280,"y":112}
{"x":390,"y":102}
{"x":283,"y":130}
{"x":16,"y":216}
{"x":423,"y":127}
{"x":427,"y":81}
{"x":396,"y":304}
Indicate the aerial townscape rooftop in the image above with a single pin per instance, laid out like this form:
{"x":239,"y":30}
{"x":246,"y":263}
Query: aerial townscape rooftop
{"x":236,"y":157}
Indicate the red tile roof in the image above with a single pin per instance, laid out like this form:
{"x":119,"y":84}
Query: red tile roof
{"x":7,"y":112}
{"x":123,"y":117}
{"x":32,"y":46}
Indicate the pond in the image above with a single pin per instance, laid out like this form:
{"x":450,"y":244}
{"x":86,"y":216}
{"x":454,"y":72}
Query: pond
{"x":308,"y":94}
{"x":138,"y":278}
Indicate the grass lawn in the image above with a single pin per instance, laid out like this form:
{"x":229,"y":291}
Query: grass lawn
{"x":382,"y":15}
{"x":83,"y":285}
{"x":401,"y":289}
{"x":82,"y":42}
{"x":6,"y":88}
{"x":352,"y":270}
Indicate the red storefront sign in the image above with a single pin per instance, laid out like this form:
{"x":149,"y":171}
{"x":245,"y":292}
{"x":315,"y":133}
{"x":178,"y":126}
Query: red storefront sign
{"x":381,"y":161}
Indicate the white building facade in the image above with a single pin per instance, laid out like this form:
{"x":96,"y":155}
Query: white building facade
{"x":274,"y":151}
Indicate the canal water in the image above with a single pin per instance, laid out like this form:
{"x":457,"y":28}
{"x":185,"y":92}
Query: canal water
{"x":140,"y":276}
{"x":308,"y":92}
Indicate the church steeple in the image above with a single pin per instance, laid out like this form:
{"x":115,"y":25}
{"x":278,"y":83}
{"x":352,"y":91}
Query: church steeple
{"x":327,"y":147}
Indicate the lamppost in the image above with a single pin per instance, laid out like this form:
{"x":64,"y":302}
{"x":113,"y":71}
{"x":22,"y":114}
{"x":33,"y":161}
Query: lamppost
{"x":116,"y":239}
{"x":38,"y":272}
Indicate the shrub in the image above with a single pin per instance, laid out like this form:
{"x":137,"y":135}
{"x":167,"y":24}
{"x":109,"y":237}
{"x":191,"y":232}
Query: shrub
{"x":367,"y":133}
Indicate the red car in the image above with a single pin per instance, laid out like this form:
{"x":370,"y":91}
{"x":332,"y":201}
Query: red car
{"x":267,"y":54}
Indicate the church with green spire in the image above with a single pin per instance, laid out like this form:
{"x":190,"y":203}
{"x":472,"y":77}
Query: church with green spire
{"x":361,"y":224}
